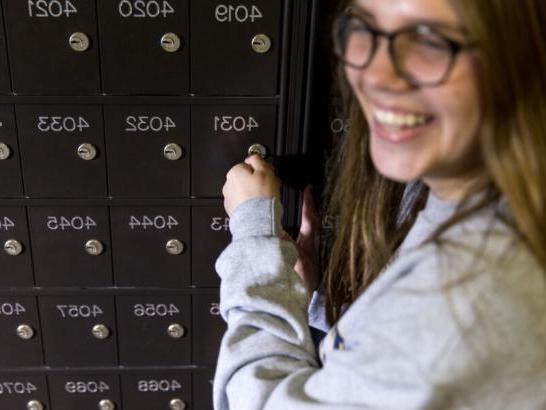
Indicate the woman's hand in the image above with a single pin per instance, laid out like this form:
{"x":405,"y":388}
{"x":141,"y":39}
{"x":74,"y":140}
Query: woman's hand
{"x":254,"y":178}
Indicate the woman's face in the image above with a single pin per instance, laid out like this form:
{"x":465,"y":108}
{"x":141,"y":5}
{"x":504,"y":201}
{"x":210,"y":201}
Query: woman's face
{"x":420,"y":132}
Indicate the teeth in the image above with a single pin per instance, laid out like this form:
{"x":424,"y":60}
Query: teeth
{"x":399,"y":120}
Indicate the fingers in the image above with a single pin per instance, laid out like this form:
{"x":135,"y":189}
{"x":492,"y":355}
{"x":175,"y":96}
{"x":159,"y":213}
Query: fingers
{"x":239,"y":170}
{"x":258,"y":163}
{"x":308,"y":214}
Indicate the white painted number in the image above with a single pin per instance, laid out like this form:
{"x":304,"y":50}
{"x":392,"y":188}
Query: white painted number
{"x":214,"y":309}
{"x":6,"y":224}
{"x":143,"y":123}
{"x":74,"y":311}
{"x":77,"y":223}
{"x":156,"y":222}
{"x":59,"y":123}
{"x":145,"y":9}
{"x":227,"y":123}
{"x":227,"y":13}
{"x":51,"y":8}
{"x":151,"y":310}
{"x":220,"y":224}
{"x":10,"y":309}
{"x":86,"y":387}
{"x":17,"y":388}
{"x":158,"y":385}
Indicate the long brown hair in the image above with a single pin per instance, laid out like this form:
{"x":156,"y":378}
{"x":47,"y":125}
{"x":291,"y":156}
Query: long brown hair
{"x":511,"y":40}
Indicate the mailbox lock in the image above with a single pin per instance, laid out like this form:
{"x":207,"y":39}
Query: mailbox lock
{"x":261,"y":43}
{"x":258,"y":149}
{"x":173,"y":151}
{"x":13,"y":247}
{"x":94,"y":247}
{"x":177,"y":404}
{"x":25,"y":332}
{"x":176,"y":331}
{"x":170,"y":42}
{"x":5,"y":151}
{"x":79,"y":41}
{"x":106,"y":405}
{"x":175,"y":247}
{"x":35,"y":405}
{"x":87,"y":151}
{"x":100,"y":331}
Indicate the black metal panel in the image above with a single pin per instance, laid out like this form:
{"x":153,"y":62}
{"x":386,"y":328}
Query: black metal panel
{"x":143,"y":330}
{"x":137,"y":138}
{"x":223,"y":61}
{"x":221,"y":137}
{"x":5,"y":84}
{"x":11,"y":184}
{"x":210,"y":235}
{"x":148,"y":390}
{"x":59,"y":237}
{"x":18,"y":311}
{"x":140,"y":238}
{"x":15,"y":270}
{"x":42,"y":61}
{"x":133,"y":61}
{"x":208,"y":329}
{"x":83,"y":392}
{"x":50,"y":138}
{"x":202,"y":391}
{"x":67,"y":330}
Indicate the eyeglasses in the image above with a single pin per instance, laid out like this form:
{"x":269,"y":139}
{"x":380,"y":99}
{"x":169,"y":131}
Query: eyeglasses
{"x":419,"y":54}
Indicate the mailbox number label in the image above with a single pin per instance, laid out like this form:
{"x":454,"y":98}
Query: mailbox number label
{"x":6,"y":224}
{"x":143,"y":9}
{"x":58,"y":124}
{"x":77,"y":223}
{"x":219,"y":224}
{"x":145,"y":123}
{"x":51,"y":8}
{"x":154,"y":222}
{"x":158,"y":385}
{"x":227,"y":123}
{"x":75,"y":311}
{"x":151,"y":310}
{"x":227,"y":13}
{"x":17,"y":388}
{"x":214,"y":309}
{"x":10,"y":309}
{"x":86,"y":387}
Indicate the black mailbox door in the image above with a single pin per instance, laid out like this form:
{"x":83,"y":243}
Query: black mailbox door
{"x":5,"y":85}
{"x":235,"y":47}
{"x":20,"y":332}
{"x":63,"y":150}
{"x":17,"y":391}
{"x":208,"y":329}
{"x":156,"y":390}
{"x":202,"y":391}
{"x":147,"y":151}
{"x":144,"y":46}
{"x":78,"y":330}
{"x":210,"y":235}
{"x":10,"y":183}
{"x":70,"y":246}
{"x":221,"y":137}
{"x":15,"y":259}
{"x":154,"y":330}
{"x":84,"y":392}
{"x":53,"y":46}
{"x":152,"y":246}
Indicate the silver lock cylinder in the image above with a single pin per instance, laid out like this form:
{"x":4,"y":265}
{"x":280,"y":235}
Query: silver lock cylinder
{"x":173,"y":151}
{"x":25,"y":332}
{"x":170,"y":42}
{"x":177,"y":404}
{"x":176,"y":331}
{"x":175,"y":247}
{"x":87,"y":151}
{"x":100,"y":331}
{"x":106,"y":404}
{"x":261,"y":43}
{"x":257,"y":149}
{"x":94,"y":247}
{"x":79,"y":41}
{"x":5,"y":151}
{"x":13,"y":247}
{"x":35,"y":405}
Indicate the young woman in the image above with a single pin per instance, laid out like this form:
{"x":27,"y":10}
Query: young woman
{"x":436,"y":286}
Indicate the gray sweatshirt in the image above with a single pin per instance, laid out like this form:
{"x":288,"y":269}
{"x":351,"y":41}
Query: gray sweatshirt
{"x":461,"y":325}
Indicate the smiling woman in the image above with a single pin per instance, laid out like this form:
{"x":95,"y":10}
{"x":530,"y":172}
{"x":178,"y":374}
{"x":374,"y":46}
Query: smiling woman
{"x":435,"y":291}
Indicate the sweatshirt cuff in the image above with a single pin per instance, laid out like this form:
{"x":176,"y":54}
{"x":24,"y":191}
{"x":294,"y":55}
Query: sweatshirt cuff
{"x":257,"y":217}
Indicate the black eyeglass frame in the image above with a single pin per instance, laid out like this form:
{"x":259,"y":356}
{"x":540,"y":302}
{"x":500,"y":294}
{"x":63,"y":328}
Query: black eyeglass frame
{"x":455,"y":47}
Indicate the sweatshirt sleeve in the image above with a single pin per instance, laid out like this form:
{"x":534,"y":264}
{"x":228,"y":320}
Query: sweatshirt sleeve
{"x":267,"y":358}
